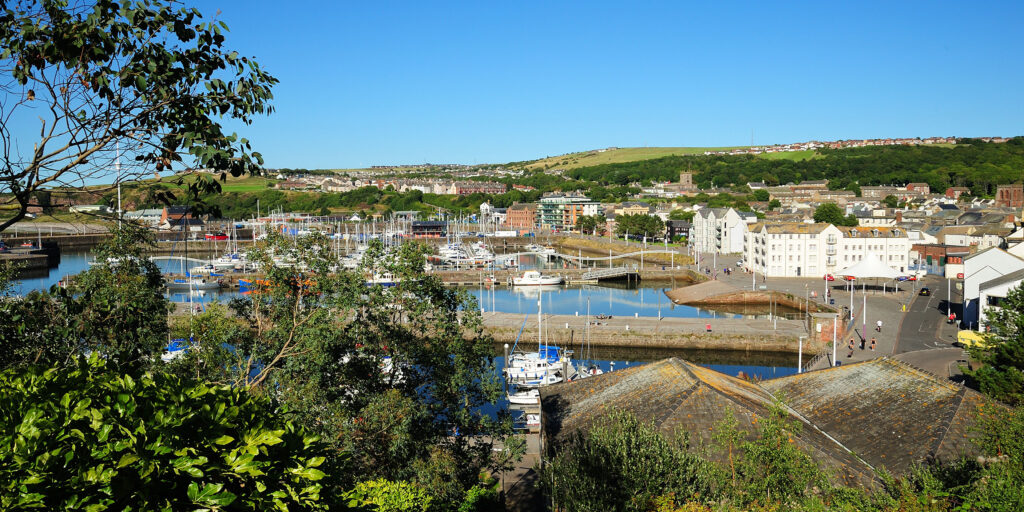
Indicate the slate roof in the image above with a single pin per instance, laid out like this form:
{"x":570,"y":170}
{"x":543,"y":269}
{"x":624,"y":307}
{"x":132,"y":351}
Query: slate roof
{"x":854,"y":418}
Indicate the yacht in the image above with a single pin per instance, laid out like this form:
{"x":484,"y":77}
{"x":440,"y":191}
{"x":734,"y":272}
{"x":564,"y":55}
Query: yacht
{"x":193,"y":283}
{"x":525,"y":397}
{"x":534,"y":278}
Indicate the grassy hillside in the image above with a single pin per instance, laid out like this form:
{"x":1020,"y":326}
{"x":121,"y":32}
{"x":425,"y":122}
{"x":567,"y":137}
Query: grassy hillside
{"x":614,"y":156}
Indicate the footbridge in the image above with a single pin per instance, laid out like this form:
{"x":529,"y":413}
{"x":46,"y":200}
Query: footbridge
{"x":610,"y":273}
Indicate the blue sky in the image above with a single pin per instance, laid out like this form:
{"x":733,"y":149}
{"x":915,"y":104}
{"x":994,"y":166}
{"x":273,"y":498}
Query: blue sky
{"x":379,"y":83}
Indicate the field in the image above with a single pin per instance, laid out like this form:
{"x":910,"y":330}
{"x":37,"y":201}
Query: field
{"x":614,"y":156}
{"x":246,"y":184}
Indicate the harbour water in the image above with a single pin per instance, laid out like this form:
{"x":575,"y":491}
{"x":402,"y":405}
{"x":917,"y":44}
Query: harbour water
{"x":608,"y":300}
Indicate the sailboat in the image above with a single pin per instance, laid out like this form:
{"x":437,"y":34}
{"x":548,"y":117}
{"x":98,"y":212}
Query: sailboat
{"x":533,"y":369}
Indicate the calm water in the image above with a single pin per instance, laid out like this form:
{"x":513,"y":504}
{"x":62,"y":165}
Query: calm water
{"x":645,"y":301}
{"x":559,"y":300}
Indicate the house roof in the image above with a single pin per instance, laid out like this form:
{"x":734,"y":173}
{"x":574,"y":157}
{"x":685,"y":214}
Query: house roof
{"x":855,"y":418}
{"x":1004,"y":279}
{"x":789,"y":227}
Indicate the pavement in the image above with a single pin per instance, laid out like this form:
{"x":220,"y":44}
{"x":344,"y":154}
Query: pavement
{"x":911,"y":323}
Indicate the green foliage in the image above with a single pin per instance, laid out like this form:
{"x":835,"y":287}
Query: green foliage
{"x":761,"y":195}
{"x":829,"y":213}
{"x":116,"y":308}
{"x":680,"y":214}
{"x":979,"y":166}
{"x":622,"y":464}
{"x":639,"y":225}
{"x":591,"y":224}
{"x":90,"y":437}
{"x":1002,"y":374}
{"x":891,"y":201}
{"x":387,"y":374}
{"x":774,"y":203}
{"x":154,"y":76}
{"x":385,"y":496}
{"x":772,"y":468}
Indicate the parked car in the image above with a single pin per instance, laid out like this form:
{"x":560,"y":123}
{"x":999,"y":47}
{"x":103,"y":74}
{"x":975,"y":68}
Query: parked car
{"x":216,"y":236}
{"x":906,"y":278}
{"x":924,"y":291}
{"x":739,"y":263}
{"x":830,"y":277}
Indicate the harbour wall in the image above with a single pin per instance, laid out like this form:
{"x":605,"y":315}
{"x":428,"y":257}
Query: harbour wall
{"x":743,"y":335}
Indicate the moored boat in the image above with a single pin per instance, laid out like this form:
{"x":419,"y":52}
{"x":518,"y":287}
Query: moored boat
{"x":534,"y":278}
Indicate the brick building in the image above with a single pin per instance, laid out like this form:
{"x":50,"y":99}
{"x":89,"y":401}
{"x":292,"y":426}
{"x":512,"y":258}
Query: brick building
{"x":521,"y":216}
{"x":1011,"y":196}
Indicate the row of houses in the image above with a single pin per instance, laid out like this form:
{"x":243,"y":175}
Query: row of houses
{"x":853,"y":143}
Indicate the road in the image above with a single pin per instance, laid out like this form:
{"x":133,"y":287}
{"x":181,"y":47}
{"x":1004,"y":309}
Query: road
{"x":925,"y":327}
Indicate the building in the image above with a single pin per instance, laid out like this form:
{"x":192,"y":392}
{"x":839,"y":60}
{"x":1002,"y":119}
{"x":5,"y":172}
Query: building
{"x":982,"y":267}
{"x":429,"y":229}
{"x":521,"y":217}
{"x":558,"y":212}
{"x":465,"y":188}
{"x":633,"y":208}
{"x":674,"y":228}
{"x":889,"y":245}
{"x":686,"y":180}
{"x":720,"y":230}
{"x":170,"y":214}
{"x":918,"y":189}
{"x":792,"y":249}
{"x":1011,"y":196}
{"x":796,"y":249}
{"x":879,"y":192}
{"x":149,"y":217}
{"x":938,"y":259}
{"x":954,"y":193}
{"x":853,"y":418}
{"x":993,"y":292}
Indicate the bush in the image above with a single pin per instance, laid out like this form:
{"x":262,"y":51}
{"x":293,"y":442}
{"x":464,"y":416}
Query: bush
{"x":89,"y":438}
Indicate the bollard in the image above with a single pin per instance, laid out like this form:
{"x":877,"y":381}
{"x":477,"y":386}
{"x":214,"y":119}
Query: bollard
{"x":567,"y":325}
{"x":627,"y":327}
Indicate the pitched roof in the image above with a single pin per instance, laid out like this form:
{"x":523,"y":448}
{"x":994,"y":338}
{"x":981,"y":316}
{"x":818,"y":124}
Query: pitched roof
{"x":854,"y":418}
{"x":886,"y":411}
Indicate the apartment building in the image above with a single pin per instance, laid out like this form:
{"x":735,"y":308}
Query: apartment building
{"x":794,"y":249}
{"x":889,"y":245}
{"x":559,"y":212}
{"x":720,"y":230}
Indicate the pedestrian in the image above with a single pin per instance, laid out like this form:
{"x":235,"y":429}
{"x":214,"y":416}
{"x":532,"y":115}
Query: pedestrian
{"x":872,"y":344}
{"x":863,"y":343}
{"x":851,"y":349}
{"x":878,"y":326}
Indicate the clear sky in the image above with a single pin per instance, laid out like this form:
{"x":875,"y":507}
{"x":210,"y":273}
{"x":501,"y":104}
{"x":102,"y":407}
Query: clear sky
{"x":376,"y":83}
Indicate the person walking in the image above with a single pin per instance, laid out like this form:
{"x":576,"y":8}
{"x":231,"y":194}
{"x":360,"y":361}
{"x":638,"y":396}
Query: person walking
{"x":878,"y":326}
{"x":851,"y":349}
{"x":872,"y":344}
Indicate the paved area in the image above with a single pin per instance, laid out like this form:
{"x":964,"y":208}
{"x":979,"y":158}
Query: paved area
{"x":910,"y":322}
{"x":520,"y":485}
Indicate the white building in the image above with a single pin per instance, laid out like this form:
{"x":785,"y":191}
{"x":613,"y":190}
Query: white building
{"x":796,"y":249}
{"x":792,"y":249}
{"x":720,"y":230}
{"x":991,"y":294}
{"x":983,"y":267}
{"x":890,"y":245}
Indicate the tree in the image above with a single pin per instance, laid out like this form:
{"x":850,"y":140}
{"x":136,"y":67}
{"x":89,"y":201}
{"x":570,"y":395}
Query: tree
{"x":388,"y":374}
{"x":774,"y":203}
{"x":680,"y":214}
{"x":115,"y":308}
{"x":92,"y":437}
{"x":590,"y":224}
{"x":829,"y":213}
{"x":623,"y":464}
{"x":891,"y":201}
{"x":1002,"y":374}
{"x":147,"y":80}
{"x":639,"y":225}
{"x":761,"y":195}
